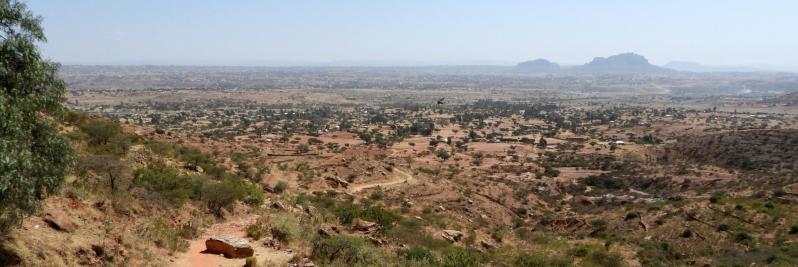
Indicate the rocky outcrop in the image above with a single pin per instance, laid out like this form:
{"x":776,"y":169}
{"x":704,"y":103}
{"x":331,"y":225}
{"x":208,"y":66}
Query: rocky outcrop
{"x":59,"y":220}
{"x":328,"y":230}
{"x":452,"y":235}
{"x":229,"y":247}
{"x":366,"y":226}
{"x":336,"y":182}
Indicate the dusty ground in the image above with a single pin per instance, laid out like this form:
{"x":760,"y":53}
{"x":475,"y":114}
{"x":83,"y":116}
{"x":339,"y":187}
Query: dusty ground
{"x":235,"y":227}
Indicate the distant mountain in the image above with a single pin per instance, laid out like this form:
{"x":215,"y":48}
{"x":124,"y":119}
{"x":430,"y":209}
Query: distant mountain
{"x":696,"y":67}
{"x":626,"y":63}
{"x":621,"y":63}
{"x":538,"y":65}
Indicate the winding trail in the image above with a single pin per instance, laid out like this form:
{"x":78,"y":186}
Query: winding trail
{"x":402,"y":178}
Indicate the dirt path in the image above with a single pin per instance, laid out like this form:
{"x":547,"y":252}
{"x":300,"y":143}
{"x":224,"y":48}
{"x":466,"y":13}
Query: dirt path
{"x":402,"y":177}
{"x":233,"y":227}
{"x":236,"y":228}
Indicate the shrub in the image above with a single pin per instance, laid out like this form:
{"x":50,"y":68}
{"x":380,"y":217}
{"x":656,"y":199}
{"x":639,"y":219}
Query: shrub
{"x":534,"y":260}
{"x":161,"y":148}
{"x":167,"y":182}
{"x":105,"y":136}
{"x":723,"y":227}
{"x":716,"y":197}
{"x":281,"y":234}
{"x":303,"y":148}
{"x":598,"y":223}
{"x":284,"y":228}
{"x":280,"y":187}
{"x":376,"y":196}
{"x":100,"y":131}
{"x":551,"y":172}
{"x":579,"y":251}
{"x":164,"y":235}
{"x":631,"y":215}
{"x":224,"y":194}
{"x":742,"y":237}
{"x":603,"y":259}
{"x":443,"y":154}
{"x":460,"y":257}
{"x":418,"y":254}
{"x":605,"y":181}
{"x":351,"y":177}
{"x":342,"y":249}
{"x":410,"y":232}
{"x":255,"y":231}
{"x":687,"y":233}
{"x":188,"y":231}
{"x":380,"y":215}
{"x":347,"y":212}
{"x":315,"y":141}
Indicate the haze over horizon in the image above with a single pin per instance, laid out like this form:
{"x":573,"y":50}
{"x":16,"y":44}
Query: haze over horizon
{"x":728,"y":33}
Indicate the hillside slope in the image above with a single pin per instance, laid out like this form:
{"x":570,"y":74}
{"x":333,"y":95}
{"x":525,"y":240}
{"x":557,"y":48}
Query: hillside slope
{"x":763,"y":150}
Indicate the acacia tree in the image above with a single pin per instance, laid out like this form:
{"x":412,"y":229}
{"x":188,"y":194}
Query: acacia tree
{"x":33,"y":157}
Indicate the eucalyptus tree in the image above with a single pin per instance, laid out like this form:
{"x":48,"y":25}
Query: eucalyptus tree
{"x":34,"y":158}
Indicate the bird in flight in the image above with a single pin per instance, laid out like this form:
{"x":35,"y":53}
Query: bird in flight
{"x":440,"y":101}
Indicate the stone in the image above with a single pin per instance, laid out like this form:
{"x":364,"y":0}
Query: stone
{"x":229,"y":247}
{"x":452,"y":235}
{"x":59,"y":220}
{"x":366,"y":226}
{"x":337,"y":182}
{"x":328,"y":231}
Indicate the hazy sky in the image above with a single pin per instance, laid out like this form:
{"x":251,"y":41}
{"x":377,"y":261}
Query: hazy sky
{"x":423,"y":31}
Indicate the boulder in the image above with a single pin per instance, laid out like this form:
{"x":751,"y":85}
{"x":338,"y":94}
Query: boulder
{"x":59,"y":220}
{"x":229,"y":247}
{"x":336,"y":182}
{"x":452,"y":235}
{"x":366,"y":226}
{"x":328,"y":230}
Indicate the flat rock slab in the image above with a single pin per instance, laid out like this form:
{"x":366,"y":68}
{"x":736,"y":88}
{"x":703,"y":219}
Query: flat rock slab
{"x":229,"y":247}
